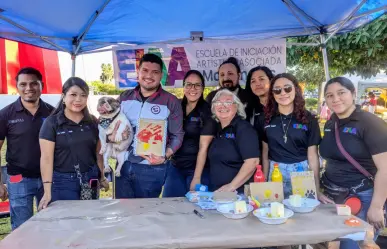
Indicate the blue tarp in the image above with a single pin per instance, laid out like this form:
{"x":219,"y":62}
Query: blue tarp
{"x":151,"y":21}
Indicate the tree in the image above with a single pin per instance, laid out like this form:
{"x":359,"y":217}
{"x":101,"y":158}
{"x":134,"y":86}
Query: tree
{"x":363,"y":52}
{"x":107,"y":73}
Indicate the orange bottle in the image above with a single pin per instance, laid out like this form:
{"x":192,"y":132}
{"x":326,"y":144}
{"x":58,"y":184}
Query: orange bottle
{"x":276,"y":176}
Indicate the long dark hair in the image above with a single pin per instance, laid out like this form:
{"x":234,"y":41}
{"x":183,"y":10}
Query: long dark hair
{"x":201,"y":99}
{"x":73,"y":81}
{"x":271,"y":108}
{"x":253,"y":101}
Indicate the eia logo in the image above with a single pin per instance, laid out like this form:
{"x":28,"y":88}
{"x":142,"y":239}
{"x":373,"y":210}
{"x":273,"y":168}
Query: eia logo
{"x":350,"y":130}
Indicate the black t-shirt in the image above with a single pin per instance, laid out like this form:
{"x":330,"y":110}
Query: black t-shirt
{"x":230,"y":147}
{"x":362,"y":135}
{"x":84,"y":139}
{"x":299,"y":137}
{"x":22,"y":132}
{"x":197,"y":123}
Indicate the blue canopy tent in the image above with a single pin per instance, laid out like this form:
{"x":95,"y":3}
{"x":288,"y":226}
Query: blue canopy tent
{"x":78,"y":27}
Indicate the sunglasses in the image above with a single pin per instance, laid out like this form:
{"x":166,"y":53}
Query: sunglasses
{"x":278,"y":90}
{"x":226,"y":104}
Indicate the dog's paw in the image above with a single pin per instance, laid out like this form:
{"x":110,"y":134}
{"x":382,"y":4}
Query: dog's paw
{"x":118,"y":173}
{"x":102,"y":150}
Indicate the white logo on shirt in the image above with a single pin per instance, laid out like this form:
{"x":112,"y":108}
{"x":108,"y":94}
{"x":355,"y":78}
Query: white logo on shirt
{"x":14,"y":121}
{"x":327,"y":130}
{"x":270,"y":126}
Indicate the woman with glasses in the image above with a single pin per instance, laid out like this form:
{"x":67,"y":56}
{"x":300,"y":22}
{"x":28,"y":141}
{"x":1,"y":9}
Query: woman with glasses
{"x":291,"y":133}
{"x":234,"y":151}
{"x":188,"y":166}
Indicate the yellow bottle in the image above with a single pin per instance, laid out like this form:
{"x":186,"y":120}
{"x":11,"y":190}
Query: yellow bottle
{"x":276,"y":176}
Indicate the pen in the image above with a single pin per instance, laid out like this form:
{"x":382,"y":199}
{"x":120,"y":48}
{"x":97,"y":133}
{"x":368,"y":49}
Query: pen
{"x":198,"y":214}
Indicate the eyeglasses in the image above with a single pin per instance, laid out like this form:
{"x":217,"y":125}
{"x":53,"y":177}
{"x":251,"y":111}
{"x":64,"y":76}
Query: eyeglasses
{"x":190,"y":85}
{"x":278,"y":90}
{"x":226,"y":104}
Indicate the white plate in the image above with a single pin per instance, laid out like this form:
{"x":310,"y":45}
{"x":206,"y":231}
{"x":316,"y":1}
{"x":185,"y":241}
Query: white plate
{"x":307,"y":205}
{"x":228,"y":211}
{"x":225,"y":202}
{"x":261,"y":214}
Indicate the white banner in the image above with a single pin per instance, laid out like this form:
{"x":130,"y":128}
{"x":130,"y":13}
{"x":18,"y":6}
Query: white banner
{"x":204,"y":56}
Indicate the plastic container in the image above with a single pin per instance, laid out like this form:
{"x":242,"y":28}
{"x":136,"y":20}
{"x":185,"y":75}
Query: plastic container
{"x":259,"y":176}
{"x":261,"y":214}
{"x":276,"y":176}
{"x":307,"y":205}
{"x":228,"y":211}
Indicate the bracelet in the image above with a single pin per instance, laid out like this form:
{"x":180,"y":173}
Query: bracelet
{"x":103,"y":180}
{"x":46,"y":182}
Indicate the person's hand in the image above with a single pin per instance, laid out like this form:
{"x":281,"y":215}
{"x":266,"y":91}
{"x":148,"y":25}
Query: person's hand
{"x":375,"y":216}
{"x":195,"y":180}
{"x":104,"y":184}
{"x":3,"y":192}
{"x":44,"y":201}
{"x":324,"y":199}
{"x":226,"y":188}
{"x":112,"y":137}
{"x":154,"y":160}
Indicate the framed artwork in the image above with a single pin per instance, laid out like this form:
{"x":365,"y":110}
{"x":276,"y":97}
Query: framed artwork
{"x":150,"y":137}
{"x":303,"y":184}
{"x":267,"y":191}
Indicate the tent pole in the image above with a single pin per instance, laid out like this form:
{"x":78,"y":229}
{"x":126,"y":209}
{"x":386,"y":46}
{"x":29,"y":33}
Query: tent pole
{"x":346,"y":20}
{"x":326,"y":70}
{"x":73,"y":58}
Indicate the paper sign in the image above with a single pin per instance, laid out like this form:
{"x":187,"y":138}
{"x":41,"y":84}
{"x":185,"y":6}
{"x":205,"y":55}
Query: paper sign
{"x":303,"y":184}
{"x":267,"y":191}
{"x":225,"y":196}
{"x":150,"y":137}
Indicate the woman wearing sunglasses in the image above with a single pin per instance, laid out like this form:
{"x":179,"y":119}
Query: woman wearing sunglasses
{"x":189,"y":166}
{"x":234,"y":152}
{"x":363,"y":136}
{"x":291,"y":133}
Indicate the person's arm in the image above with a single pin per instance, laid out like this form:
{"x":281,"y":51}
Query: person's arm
{"x":103,"y":181}
{"x":175,"y":128}
{"x":46,"y":167}
{"x":265,"y":160}
{"x":314,"y":163}
{"x":375,"y":214}
{"x":204,"y":143}
{"x":242,"y":177}
{"x":3,"y":188}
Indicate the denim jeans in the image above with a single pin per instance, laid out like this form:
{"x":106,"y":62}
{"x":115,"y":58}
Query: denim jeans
{"x":140,"y":180}
{"x":365,"y":198}
{"x":178,"y":181}
{"x":66,"y":186}
{"x":21,"y":198}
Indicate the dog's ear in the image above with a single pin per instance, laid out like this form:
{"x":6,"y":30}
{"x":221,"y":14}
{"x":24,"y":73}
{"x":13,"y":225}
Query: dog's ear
{"x":115,"y":104}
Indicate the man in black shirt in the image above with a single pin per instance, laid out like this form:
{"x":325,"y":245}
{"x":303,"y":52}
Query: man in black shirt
{"x":229,"y":75}
{"x":20,"y":123}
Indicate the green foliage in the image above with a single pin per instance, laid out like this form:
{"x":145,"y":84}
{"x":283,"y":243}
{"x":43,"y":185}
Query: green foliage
{"x":363,"y":52}
{"x":311,"y":104}
{"x":100,"y":88}
{"x":107,"y":73}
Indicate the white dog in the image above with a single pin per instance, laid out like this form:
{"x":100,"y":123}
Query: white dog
{"x":109,"y":110}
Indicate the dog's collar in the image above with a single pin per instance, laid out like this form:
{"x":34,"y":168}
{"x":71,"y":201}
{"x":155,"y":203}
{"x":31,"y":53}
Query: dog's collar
{"x":105,"y":122}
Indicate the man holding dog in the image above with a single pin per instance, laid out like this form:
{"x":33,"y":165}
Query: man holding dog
{"x":142,"y":176}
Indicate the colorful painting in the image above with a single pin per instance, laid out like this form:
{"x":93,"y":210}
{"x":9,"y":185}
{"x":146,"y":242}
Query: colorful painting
{"x":150,"y":137}
{"x":303,"y":184}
